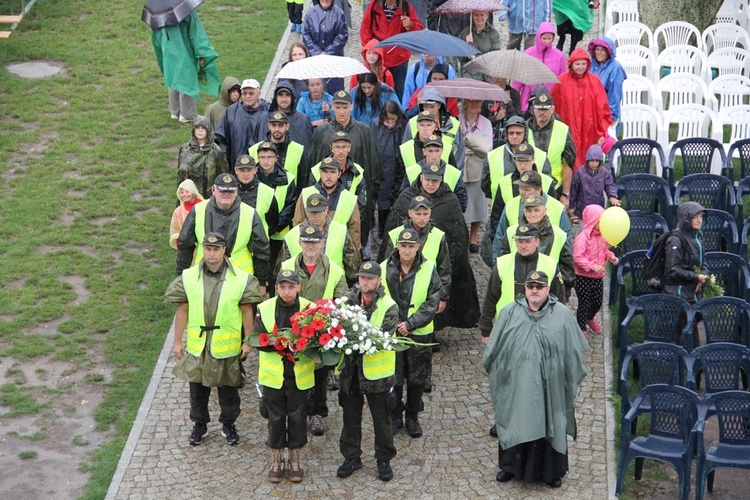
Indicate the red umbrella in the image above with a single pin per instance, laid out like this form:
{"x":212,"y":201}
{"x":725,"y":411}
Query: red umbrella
{"x":468,"y":88}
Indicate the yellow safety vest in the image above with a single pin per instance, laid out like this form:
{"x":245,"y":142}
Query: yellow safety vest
{"x":506,"y":268}
{"x":410,"y":158}
{"x":555,"y":149}
{"x":315,"y":172}
{"x":291,"y":161}
{"x":496,"y":161}
{"x":241,"y":256}
{"x":506,"y":185}
{"x":450,"y":177}
{"x":381,"y":364}
{"x":555,"y":210}
{"x":448,"y":137}
{"x":431,"y":246}
{"x":226,"y":341}
{"x":263,"y":203}
{"x":335,"y":242}
{"x":335,"y":273}
{"x":560,"y":237}
{"x":418,"y":292}
{"x":270,"y":364}
{"x":343,"y":211}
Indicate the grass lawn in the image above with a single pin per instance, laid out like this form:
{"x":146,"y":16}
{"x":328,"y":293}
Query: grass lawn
{"x":88,"y":160}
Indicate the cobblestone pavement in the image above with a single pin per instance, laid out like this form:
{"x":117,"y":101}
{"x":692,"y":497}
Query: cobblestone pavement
{"x":456,"y":457}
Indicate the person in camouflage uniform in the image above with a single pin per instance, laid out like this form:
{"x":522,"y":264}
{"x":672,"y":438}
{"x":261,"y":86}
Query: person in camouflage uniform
{"x":200,"y":159}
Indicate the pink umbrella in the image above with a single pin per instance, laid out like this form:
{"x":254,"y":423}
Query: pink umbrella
{"x":468,"y":88}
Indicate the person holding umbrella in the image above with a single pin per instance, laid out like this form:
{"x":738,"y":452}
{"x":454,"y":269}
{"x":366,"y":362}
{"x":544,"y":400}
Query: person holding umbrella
{"x":482,"y":36}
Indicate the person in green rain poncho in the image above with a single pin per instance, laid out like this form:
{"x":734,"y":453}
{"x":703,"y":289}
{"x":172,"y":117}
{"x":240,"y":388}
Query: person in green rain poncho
{"x":188,"y":62}
{"x":574,"y":17}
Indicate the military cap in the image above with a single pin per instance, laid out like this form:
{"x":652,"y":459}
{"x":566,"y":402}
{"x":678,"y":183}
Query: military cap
{"x":340,"y":136}
{"x":542,"y":99}
{"x":524,"y":150}
{"x":529,"y":179}
{"x":408,"y":235}
{"x":309,"y":233}
{"x":419,"y":201}
{"x":539,"y":277}
{"x":433,"y":140}
{"x":369,"y":268}
{"x":267,"y":146}
{"x":225,"y":182}
{"x":330,"y":163}
{"x":342,"y":96}
{"x":433,"y":171}
{"x":278,"y":117}
{"x":425,"y":115}
{"x":515,"y":121}
{"x":316,"y":203}
{"x":525,"y":231}
{"x":244,"y":161}
{"x":214,"y":240}
{"x":287,"y":275}
{"x":533,"y":201}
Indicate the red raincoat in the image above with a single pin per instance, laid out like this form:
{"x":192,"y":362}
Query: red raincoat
{"x":385,"y":76}
{"x":376,"y":25}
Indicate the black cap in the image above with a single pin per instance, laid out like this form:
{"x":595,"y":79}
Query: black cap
{"x":425,"y":115}
{"x":309,"y":233}
{"x":316,"y":203}
{"x":287,"y":275}
{"x":369,"y":268}
{"x":214,"y":240}
{"x":330,"y":163}
{"x":342,"y":96}
{"x":419,"y":201}
{"x":524,"y":231}
{"x":433,"y":171}
{"x":541,"y":98}
{"x":340,"y":136}
{"x":433,"y":140}
{"x":516,"y":121}
{"x":408,"y":236}
{"x":539,"y":277}
{"x":524,"y":150}
{"x":267,"y":146}
{"x":529,"y":179}
{"x":533,"y":201}
{"x":244,"y":161}
{"x":278,"y":117}
{"x":225,"y":182}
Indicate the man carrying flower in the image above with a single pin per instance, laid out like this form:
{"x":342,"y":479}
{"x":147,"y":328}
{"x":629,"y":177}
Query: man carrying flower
{"x":372,"y":375}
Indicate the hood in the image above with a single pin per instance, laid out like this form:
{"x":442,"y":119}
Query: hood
{"x":226,"y":86}
{"x":206,"y":123}
{"x":286,"y":85}
{"x":577,"y":54}
{"x":545,"y":27}
{"x":432,"y":94}
{"x":438,"y":68}
{"x":605,"y":42}
{"x":595,"y":153}
{"x":685,"y":214}
{"x":371,"y":46}
{"x":189,"y":185}
{"x":591,"y":215}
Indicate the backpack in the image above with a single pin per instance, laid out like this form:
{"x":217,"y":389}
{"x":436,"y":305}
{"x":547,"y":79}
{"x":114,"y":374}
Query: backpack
{"x":653,"y":268}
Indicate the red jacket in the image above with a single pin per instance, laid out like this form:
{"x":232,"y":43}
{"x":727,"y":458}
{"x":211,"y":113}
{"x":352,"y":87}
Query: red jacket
{"x":375,"y":25}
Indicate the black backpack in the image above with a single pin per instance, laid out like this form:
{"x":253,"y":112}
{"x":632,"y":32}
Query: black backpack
{"x":653,"y":268}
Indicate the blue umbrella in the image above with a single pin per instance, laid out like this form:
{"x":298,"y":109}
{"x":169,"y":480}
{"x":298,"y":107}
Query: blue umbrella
{"x":430,"y":42}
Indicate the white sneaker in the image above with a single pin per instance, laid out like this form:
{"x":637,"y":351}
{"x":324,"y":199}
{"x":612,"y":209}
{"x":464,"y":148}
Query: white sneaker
{"x":184,"y":120}
{"x":175,"y":117}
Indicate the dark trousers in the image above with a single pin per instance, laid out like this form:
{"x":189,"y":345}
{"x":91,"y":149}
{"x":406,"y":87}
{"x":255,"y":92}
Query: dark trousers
{"x":399,"y":76}
{"x":565,"y":28}
{"x":413,"y":367}
{"x":287,"y":415}
{"x":515,"y":40}
{"x":318,"y":402}
{"x":229,"y":401}
{"x":589,"y":292}
{"x":351,"y":432}
{"x":295,"y":12}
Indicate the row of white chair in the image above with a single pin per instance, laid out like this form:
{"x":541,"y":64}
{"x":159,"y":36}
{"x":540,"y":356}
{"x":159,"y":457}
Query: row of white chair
{"x":676,"y":33}
{"x":730,"y":12}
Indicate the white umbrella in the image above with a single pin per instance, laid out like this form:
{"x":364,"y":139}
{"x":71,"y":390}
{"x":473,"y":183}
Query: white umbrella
{"x":322,"y":66}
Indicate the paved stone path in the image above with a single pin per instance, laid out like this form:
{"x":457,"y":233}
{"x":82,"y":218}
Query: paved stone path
{"x":456,"y":457}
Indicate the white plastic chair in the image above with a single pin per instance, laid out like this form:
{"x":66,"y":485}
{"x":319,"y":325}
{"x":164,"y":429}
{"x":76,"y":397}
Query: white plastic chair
{"x":692,"y":120}
{"x":619,"y":11}
{"x":640,"y":120}
{"x":733,"y":12}
{"x":674,"y":33}
{"x":737,"y":119}
{"x":637,"y":60}
{"x":638,"y":89}
{"x":681,"y":59}
{"x":719,"y":36}
{"x":631,"y":33}
{"x":681,"y":88}
{"x":728,"y":61}
{"x":728,"y":90}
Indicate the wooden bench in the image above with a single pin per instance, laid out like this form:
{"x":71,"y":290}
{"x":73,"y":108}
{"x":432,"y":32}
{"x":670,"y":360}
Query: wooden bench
{"x":10,"y":19}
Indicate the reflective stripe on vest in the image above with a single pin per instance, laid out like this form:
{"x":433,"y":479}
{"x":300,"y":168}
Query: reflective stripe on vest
{"x":555,"y":210}
{"x":496,"y":161}
{"x":344,"y":209}
{"x":418,"y":292}
{"x":431,"y":246}
{"x":335,"y":273}
{"x":241,"y":256}
{"x":280,"y":192}
{"x":263,"y":203}
{"x":555,"y":148}
{"x":506,"y":185}
{"x":558,"y":241}
{"x":450,"y":178}
{"x":291,"y":161}
{"x":226,"y":341}
{"x":335,"y":236}
{"x":271,"y":365}
{"x":315,"y":172}
{"x":382,"y":364}
{"x":506,"y":269}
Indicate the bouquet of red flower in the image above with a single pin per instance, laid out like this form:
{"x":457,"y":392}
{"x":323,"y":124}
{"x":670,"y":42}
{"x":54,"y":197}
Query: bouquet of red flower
{"x":285,"y":342}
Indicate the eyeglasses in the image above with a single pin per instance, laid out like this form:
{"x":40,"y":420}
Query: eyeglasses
{"x":535,"y":286}
{"x":515,"y":132}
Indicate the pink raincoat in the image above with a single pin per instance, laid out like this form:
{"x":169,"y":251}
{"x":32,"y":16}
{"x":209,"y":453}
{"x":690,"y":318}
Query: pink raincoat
{"x":550,"y":56}
{"x":590,"y":249}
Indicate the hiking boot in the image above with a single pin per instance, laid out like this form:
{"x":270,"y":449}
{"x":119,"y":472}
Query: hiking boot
{"x":397,"y":421}
{"x":594,"y":325}
{"x":385,"y":473}
{"x":316,"y":425}
{"x":349,"y":466}
{"x":332,"y":381}
{"x":196,"y":437}
{"x":295,"y":470}
{"x":276,"y":472}
{"x":412,"y":426}
{"x":230,"y":434}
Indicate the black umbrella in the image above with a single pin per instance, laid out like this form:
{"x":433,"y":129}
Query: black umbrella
{"x":160,"y":13}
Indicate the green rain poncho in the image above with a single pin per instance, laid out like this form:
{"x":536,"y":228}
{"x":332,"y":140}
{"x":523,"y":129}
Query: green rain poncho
{"x":178,"y":50}
{"x":577,"y":11}
{"x":535,"y":363}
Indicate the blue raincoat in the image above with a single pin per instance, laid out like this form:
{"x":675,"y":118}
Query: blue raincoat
{"x":525,"y":16}
{"x":611,"y":73}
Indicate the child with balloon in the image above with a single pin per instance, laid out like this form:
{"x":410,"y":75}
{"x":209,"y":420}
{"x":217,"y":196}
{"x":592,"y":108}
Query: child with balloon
{"x":590,"y":182}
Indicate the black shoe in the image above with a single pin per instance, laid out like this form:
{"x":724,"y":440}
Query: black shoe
{"x":473,"y":248}
{"x":412,"y":426}
{"x":428,"y":386}
{"x":316,"y":425}
{"x":196,"y":437}
{"x":230,"y":433}
{"x":504,"y":476}
{"x":555,"y":483}
{"x":349,"y":466}
{"x":385,"y":473}
{"x":493,"y":431}
{"x":397,"y":421}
